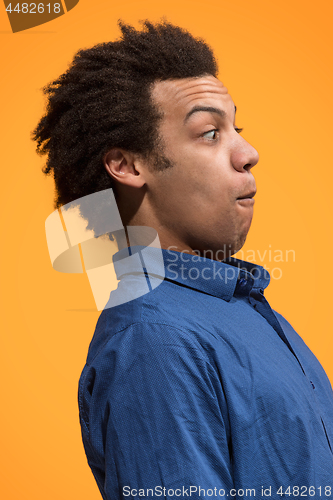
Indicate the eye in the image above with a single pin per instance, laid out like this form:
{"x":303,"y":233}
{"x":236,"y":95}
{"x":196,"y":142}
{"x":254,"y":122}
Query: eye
{"x":238,"y":130}
{"x":211,"y":134}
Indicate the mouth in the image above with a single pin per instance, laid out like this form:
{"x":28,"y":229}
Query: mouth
{"x":247,"y":199}
{"x":251,"y":194}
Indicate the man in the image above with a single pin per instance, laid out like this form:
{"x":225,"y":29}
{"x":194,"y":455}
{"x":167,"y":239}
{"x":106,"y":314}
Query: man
{"x":197,"y":388}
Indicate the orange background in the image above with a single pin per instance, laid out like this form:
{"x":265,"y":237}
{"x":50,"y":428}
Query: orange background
{"x":275,"y":58}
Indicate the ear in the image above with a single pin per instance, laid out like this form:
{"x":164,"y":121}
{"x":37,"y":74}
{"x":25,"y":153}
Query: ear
{"x":124,"y":167}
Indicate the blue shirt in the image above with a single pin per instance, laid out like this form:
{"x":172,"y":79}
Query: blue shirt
{"x":198,"y":388}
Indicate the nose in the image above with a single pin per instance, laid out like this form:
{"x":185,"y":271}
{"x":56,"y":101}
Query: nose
{"x":243,"y":156}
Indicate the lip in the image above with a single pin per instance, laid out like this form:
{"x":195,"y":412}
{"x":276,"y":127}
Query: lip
{"x":247,"y":199}
{"x":251,"y":194}
{"x":247,"y":202}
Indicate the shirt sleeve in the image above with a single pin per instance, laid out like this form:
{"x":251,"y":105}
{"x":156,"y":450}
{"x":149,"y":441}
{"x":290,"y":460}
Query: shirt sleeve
{"x":154,"y":416}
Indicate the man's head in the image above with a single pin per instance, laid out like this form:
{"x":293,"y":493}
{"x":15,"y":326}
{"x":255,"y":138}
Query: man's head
{"x":205,"y":201}
{"x":103,"y":101}
{"x":147,"y":116}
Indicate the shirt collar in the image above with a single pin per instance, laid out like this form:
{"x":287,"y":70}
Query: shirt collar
{"x":219,"y":279}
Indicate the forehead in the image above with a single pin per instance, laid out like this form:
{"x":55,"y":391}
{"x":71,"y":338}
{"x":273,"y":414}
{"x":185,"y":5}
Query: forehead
{"x":176,"y":98}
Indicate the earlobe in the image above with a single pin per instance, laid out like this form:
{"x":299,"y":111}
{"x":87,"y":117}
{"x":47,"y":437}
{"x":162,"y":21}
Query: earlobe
{"x":123,"y":167}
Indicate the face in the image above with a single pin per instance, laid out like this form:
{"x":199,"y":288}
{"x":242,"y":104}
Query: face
{"x":204,"y":202}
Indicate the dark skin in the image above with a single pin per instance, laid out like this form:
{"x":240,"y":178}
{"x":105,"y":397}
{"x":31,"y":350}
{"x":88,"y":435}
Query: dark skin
{"x":205,"y":201}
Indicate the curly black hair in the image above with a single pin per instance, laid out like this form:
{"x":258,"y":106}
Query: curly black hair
{"x":103,"y":101}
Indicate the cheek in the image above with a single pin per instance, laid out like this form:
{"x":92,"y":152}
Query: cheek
{"x":219,"y":186}
{"x":201,"y":177}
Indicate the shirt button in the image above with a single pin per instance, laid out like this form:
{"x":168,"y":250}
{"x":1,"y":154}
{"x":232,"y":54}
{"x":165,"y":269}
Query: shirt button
{"x":242,"y":282}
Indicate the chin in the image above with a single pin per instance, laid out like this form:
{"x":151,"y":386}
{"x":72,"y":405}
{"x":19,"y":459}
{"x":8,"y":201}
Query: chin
{"x":220,"y":250}
{"x":239,"y":245}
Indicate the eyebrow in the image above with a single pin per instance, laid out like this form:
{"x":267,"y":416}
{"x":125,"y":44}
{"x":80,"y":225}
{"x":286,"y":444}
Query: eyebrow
{"x":208,"y":109}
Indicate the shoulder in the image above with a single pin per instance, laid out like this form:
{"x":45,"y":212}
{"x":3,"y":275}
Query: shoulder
{"x":167,"y":313}
{"x":146,"y":350}
{"x":143,"y":339}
